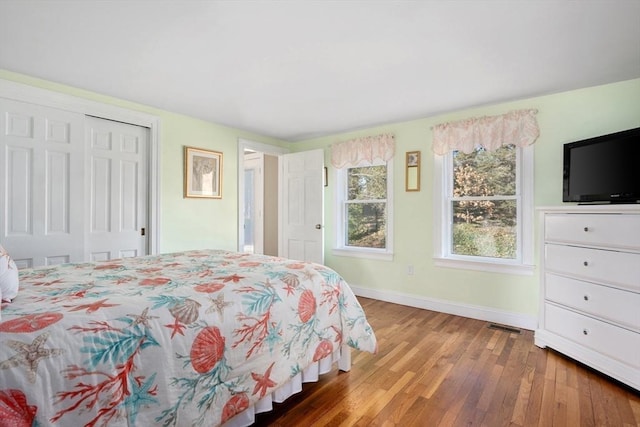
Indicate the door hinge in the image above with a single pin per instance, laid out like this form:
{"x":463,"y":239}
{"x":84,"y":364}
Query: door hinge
{"x":142,"y":231}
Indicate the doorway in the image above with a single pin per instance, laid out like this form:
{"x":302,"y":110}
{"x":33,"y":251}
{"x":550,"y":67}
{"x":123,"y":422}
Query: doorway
{"x":260,"y":203}
{"x":298,"y":196}
{"x":258,"y":197}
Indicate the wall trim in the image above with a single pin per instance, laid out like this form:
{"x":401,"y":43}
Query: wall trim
{"x":444,"y":306}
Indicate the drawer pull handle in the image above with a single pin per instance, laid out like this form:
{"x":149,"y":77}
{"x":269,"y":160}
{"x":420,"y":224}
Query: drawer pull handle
{"x":585,"y":331}
{"x":586,"y":229}
{"x":586,"y":263}
{"x":586,"y":297}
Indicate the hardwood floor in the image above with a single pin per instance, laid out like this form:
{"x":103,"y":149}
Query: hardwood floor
{"x":435,"y":369}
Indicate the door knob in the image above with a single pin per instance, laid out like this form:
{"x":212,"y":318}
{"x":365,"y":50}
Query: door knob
{"x":318,"y":226}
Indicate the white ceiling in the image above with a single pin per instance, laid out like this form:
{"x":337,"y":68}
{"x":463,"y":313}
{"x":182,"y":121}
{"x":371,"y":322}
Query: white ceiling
{"x":299,"y":69}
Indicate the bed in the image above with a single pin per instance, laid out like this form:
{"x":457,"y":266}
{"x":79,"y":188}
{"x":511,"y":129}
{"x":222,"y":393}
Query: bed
{"x":200,"y":338}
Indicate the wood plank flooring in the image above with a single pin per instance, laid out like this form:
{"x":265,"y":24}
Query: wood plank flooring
{"x":435,"y":369}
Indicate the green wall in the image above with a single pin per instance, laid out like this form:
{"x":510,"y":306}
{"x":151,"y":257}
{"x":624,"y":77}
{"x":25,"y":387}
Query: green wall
{"x":563,"y":117}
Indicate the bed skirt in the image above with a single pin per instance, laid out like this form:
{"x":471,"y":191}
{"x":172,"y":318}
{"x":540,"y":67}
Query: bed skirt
{"x":309,"y":375}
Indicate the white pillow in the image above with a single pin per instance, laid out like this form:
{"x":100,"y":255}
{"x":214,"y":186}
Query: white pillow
{"x":8,"y":277}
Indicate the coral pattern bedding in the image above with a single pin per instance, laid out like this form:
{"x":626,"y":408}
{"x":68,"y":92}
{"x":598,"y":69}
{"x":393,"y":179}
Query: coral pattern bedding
{"x":181,"y":339}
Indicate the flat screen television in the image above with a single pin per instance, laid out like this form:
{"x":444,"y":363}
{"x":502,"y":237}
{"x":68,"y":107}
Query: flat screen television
{"x":604,"y":169}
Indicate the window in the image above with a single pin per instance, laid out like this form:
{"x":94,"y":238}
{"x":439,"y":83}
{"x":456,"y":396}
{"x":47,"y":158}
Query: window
{"x":484,"y":209}
{"x":483,"y":203}
{"x":364,"y":216}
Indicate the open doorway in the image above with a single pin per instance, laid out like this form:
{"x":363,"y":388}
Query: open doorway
{"x":258,"y":197}
{"x":298,"y":196}
{"x":260,"y":203}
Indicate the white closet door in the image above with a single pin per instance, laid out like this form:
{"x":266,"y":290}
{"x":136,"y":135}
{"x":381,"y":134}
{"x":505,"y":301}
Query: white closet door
{"x":41,"y":184}
{"x":117,"y":189}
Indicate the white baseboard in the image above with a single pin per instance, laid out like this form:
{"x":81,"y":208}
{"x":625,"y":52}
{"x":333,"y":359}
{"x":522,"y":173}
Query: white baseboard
{"x":459,"y":309}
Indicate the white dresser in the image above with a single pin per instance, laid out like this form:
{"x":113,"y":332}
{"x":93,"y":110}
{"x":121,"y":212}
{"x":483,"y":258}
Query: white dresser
{"x":590,"y":287}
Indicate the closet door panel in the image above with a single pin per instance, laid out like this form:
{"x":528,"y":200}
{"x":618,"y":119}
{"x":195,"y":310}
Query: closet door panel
{"x":17,"y":204}
{"x":42,"y":197}
{"x":100,"y":195}
{"x":117,"y":154}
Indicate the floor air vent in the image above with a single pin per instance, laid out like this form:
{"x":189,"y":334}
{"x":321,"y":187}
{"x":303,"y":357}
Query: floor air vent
{"x":504,"y":328}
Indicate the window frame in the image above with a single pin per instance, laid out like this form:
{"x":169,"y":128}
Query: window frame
{"x":443,"y":219}
{"x":340,"y":247}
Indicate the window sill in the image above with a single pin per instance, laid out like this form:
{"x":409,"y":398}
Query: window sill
{"x":490,"y":267}
{"x":363,"y":253}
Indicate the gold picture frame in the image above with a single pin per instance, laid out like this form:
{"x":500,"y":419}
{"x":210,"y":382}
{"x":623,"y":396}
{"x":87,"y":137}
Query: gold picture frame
{"x":202,"y":173}
{"x":412,"y":173}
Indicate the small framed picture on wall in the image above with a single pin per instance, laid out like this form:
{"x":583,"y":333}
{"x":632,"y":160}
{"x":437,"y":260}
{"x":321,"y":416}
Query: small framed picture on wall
{"x":202,"y":173}
{"x":412,"y":173}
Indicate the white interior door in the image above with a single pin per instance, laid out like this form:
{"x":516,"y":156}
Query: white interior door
{"x":302,"y":211}
{"x":41,"y":184}
{"x":117,"y":189}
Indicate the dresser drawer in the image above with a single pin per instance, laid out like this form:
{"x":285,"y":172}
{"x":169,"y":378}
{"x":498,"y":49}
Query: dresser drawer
{"x":608,"y":267}
{"x":607,"y":230}
{"x":615,"y":342}
{"x":615,"y":305}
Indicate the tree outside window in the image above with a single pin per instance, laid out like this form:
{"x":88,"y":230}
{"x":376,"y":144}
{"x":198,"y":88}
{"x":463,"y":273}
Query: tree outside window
{"x":484,"y":203}
{"x":365,"y":207}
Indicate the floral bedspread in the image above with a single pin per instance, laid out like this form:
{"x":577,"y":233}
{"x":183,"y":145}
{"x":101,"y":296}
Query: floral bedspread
{"x":181,"y":339}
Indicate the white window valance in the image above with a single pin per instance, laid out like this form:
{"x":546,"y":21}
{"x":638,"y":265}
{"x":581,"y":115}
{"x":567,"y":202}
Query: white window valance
{"x":518,"y":127}
{"x":369,"y":148}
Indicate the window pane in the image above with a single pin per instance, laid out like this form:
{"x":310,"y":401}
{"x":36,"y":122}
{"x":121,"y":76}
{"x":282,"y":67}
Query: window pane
{"x":485,"y":173}
{"x":485,"y":228}
{"x":366,"y":225}
{"x":367,"y":183}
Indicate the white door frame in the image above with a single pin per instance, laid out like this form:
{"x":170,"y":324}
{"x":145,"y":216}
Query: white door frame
{"x":259,"y":147}
{"x":49,"y":98}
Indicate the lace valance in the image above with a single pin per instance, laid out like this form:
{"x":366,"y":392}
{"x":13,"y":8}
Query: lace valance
{"x":518,"y":127}
{"x":369,"y":148}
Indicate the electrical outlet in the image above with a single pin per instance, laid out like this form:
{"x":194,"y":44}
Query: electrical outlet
{"x":410,"y":270}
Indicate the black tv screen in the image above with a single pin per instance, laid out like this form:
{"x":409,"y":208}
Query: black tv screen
{"x":604,"y":169}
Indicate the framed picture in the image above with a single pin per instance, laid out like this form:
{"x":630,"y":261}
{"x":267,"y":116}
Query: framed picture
{"x":202,"y":173}
{"x":412,"y":173}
